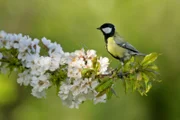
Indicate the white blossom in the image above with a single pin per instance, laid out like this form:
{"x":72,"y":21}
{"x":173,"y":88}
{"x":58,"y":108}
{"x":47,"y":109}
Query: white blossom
{"x":38,"y":94}
{"x":39,"y":65}
{"x":75,"y":89}
{"x":104,"y":63}
{"x":65,"y":58}
{"x":64,"y":91}
{"x":2,"y":34}
{"x":100,"y":99}
{"x":30,"y":60}
{"x":24,"y":78}
{"x":79,"y":53}
{"x":55,"y":51}
{"x":91,"y":54}
{"x":73,"y":94}
{"x":24,"y":44}
{"x":44,"y":63}
{"x":4,"y":69}
{"x":46,"y":42}
{"x":35,"y":48}
{"x":40,"y":84}
{"x":1,"y":56}
{"x":70,"y":95}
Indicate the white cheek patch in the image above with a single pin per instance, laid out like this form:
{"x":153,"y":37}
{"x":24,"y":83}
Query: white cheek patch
{"x":107,"y":30}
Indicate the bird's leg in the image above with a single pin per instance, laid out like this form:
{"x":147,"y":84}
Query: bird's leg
{"x":121,"y":74}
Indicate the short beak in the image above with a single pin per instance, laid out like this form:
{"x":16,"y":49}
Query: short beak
{"x":98,"y":28}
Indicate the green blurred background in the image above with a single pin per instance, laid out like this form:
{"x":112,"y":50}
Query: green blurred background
{"x":150,"y":25}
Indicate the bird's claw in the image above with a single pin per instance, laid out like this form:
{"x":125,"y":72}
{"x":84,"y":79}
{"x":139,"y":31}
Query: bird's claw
{"x":121,"y":75}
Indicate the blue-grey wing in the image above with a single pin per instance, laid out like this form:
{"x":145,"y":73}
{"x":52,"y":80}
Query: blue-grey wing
{"x":119,"y":40}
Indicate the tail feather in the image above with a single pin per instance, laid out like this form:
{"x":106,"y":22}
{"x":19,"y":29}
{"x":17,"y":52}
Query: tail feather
{"x":141,"y":54}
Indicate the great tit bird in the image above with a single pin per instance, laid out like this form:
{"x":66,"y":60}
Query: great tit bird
{"x":116,"y":45}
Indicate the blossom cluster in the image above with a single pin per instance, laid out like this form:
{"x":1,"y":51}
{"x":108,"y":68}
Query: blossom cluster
{"x":76,"y":89}
{"x":36,"y":70}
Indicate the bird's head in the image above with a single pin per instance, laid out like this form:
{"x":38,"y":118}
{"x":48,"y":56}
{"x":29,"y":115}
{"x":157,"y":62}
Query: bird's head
{"x":107,"y":29}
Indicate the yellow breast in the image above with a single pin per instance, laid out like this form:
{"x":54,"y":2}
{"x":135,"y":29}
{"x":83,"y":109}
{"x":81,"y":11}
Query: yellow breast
{"x":114,"y":49}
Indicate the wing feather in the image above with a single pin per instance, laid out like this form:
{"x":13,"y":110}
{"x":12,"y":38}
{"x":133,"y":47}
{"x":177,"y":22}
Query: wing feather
{"x":120,"y":41}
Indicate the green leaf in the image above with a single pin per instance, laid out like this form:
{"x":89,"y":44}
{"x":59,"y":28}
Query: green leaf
{"x":128,"y":64}
{"x":145,"y":78}
{"x":87,"y":73}
{"x":134,"y":86}
{"x":139,"y":76}
{"x":102,"y":93}
{"x":114,"y":92}
{"x":109,"y":93}
{"x":127,"y":83}
{"x":96,"y":65}
{"x":124,"y":85}
{"x":57,"y":77}
{"x":153,"y":75}
{"x":148,"y":59}
{"x":104,"y":85}
{"x":153,"y":67}
{"x":141,"y":73}
{"x":141,"y":88}
{"x":58,"y":88}
{"x":149,"y":85}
